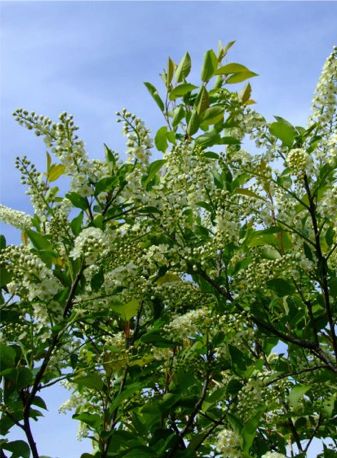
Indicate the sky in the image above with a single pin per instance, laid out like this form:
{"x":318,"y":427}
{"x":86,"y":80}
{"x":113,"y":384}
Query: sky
{"x":91,"y":59}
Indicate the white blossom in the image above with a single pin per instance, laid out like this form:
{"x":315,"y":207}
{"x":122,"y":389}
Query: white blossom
{"x":15,"y":218}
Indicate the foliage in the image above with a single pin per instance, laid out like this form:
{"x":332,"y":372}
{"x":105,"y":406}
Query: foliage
{"x":189,"y":303}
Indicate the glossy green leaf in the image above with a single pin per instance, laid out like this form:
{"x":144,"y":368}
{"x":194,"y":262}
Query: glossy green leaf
{"x":183,"y":68}
{"x":193,"y":124}
{"x":280,"y":286}
{"x":7,"y":356}
{"x":76,"y":224}
{"x":239,"y":77}
{"x":178,"y":115}
{"x":170,"y":71}
{"x":181,"y":90}
{"x":2,"y":242}
{"x":202,"y":101}
{"x":160,"y":139}
{"x":283,"y":131}
{"x":39,"y":241}
{"x":18,"y":448}
{"x":152,"y":171}
{"x":212,"y":115}
{"x":77,"y":200}
{"x":233,"y":67}
{"x":209,"y":66}
{"x":155,"y":95}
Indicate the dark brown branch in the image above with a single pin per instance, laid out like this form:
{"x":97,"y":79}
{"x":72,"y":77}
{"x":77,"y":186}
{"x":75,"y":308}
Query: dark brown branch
{"x":322,"y":266}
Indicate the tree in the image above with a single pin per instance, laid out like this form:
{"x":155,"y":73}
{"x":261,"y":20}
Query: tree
{"x":188,"y":303}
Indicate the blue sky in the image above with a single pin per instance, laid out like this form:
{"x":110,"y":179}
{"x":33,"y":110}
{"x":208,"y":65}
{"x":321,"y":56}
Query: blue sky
{"x":91,"y":59}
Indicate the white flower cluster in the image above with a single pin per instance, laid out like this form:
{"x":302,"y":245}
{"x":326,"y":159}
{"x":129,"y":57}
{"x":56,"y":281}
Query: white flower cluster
{"x":37,"y":188}
{"x":189,"y":324}
{"x":226,"y":227}
{"x":15,"y":218}
{"x":64,"y":143}
{"x":250,"y":396}
{"x":30,"y":276}
{"x":156,"y":255}
{"x":139,"y":142}
{"x":228,"y":443}
{"x":91,"y":244}
{"x":324,"y":100}
{"x":298,"y":160}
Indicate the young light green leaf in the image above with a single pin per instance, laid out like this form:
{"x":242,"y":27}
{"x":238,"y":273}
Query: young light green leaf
{"x":209,"y":66}
{"x":239,"y":77}
{"x":233,"y":67}
{"x":183,"y":68}
{"x":55,"y":171}
{"x":155,"y":95}
{"x":170,"y":71}
{"x":284,"y":131}
{"x":181,"y":90}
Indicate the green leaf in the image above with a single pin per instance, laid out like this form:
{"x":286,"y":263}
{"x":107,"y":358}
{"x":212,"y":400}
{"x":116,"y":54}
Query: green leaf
{"x":160,"y":139}
{"x":213,"y":115}
{"x":269,"y":252}
{"x":233,"y":67}
{"x":2,"y":242}
{"x":39,"y":241}
{"x":97,"y":280}
{"x":202,"y":100}
{"x":152,"y":171}
{"x":93,"y":381}
{"x":193,"y":124}
{"x":39,"y":402}
{"x":328,"y":405}
{"x":18,"y":448}
{"x":245,"y":94}
{"x":170,"y":71}
{"x":77,"y":200}
{"x":128,"y":310}
{"x":155,"y":95}
{"x":280,"y":286}
{"x":181,"y":90}
{"x":208,"y":139}
{"x":7,"y":357}
{"x":239,"y":77}
{"x":55,"y":171}
{"x":296,"y":395}
{"x":183,"y":68}
{"x":229,"y":141}
{"x":5,"y":277}
{"x":178,"y":115}
{"x":329,"y":236}
{"x":209,"y":66}
{"x":92,"y":420}
{"x":283,"y":131}
{"x":99,"y":221}
{"x":105,"y":184}
{"x":76,"y":224}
